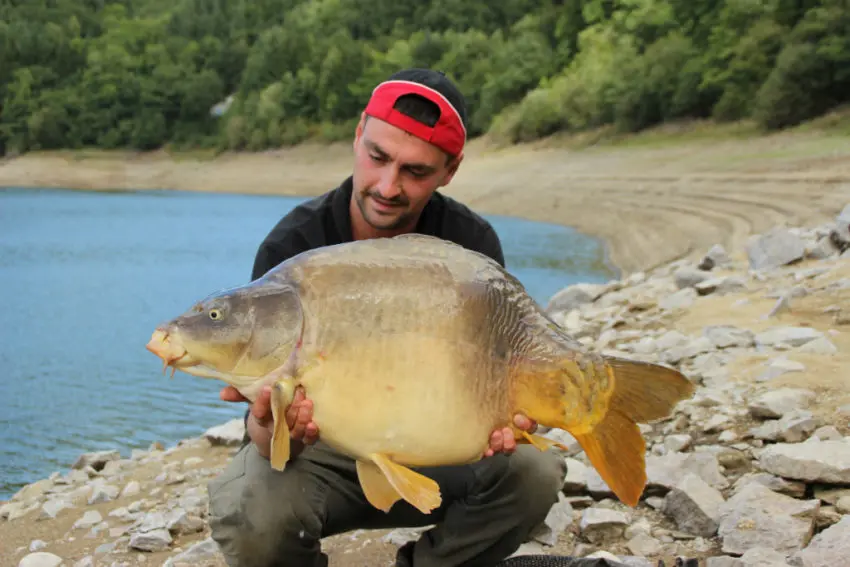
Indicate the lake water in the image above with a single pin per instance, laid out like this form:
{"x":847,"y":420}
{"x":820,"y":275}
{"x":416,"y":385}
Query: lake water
{"x":84,"y":278}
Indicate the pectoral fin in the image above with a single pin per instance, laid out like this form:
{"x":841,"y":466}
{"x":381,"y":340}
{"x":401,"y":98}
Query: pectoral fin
{"x":283,"y":392}
{"x":378,"y":490}
{"x":541,"y":443}
{"x":417,"y":489}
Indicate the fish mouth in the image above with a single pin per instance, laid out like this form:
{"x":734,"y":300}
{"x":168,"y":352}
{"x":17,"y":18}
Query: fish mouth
{"x":172,"y":353}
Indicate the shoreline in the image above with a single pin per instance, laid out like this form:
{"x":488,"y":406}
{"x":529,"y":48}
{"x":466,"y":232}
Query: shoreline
{"x":758,"y":461}
{"x":649,"y":201}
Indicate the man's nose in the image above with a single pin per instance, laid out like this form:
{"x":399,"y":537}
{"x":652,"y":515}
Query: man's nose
{"x":388,"y":183}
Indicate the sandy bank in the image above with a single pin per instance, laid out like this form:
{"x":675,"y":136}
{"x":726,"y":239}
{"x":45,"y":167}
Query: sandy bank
{"x":650,"y":203}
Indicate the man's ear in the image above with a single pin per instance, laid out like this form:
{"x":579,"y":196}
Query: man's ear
{"x":358,"y":132}
{"x":452,"y":166}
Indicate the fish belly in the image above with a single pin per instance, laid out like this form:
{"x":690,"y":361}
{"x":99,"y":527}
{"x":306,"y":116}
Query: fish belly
{"x":403,"y":396}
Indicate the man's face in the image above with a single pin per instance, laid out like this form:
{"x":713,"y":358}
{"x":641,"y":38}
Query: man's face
{"x":395,"y":174}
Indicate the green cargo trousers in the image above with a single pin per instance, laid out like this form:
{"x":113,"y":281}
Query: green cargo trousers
{"x":263,"y":518}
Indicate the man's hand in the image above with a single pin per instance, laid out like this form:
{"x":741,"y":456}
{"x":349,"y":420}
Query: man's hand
{"x":502,"y":440}
{"x":299,"y":418}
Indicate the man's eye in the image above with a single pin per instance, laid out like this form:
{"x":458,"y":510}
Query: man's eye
{"x":376,"y":157}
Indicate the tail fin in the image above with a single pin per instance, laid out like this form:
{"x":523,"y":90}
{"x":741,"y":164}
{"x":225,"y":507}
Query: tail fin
{"x":642,"y":392}
{"x":601,"y":409}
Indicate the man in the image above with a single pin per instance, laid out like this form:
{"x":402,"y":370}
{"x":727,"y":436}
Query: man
{"x":408,"y":144}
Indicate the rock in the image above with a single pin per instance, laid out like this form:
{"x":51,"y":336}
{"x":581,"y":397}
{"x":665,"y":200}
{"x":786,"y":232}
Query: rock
{"x":574,"y":296}
{"x":131,"y":489}
{"x":829,"y":547}
{"x":820,"y":345}
{"x":102,"y":493}
{"x":779,"y":366}
{"x":827,"y":433}
{"x":40,"y":559}
{"x":154,"y":540}
{"x":758,"y":517}
{"x":683,"y":352}
{"x":52,"y":507}
{"x":830,"y":495}
{"x":723,"y":561}
{"x":96,"y":460}
{"x":787,"y":335}
{"x":400,"y":536}
{"x":827,"y":516}
{"x":198,"y":554}
{"x":681,"y":299}
{"x":843,"y":218}
{"x":825,"y":247}
{"x":722,"y":285}
{"x":667,"y":470}
{"x":689,"y":277}
{"x":678,"y":443}
{"x":180,"y":522}
{"x":821,"y":461}
{"x":560,"y":516}
{"x":599,"y":525}
{"x":90,"y":518}
{"x":794,"y":427}
{"x":773,"y":249}
{"x":776,"y":403}
{"x":644,"y":545}
{"x":694,"y":506}
{"x":529,"y":548}
{"x":229,"y":433}
{"x":763,"y":557}
{"x":715,"y":257}
{"x":575,"y":482}
{"x":726,"y":336}
{"x":776,"y":484}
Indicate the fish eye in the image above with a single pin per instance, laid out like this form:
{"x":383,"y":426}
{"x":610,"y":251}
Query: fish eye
{"x":215,"y":314}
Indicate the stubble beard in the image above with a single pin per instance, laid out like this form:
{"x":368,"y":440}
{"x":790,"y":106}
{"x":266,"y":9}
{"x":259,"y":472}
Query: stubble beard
{"x":378,"y":221}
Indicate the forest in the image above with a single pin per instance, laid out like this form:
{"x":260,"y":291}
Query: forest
{"x":255,"y":74}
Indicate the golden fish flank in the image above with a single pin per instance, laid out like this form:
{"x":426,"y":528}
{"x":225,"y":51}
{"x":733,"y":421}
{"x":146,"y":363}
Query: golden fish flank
{"x":413,"y":350}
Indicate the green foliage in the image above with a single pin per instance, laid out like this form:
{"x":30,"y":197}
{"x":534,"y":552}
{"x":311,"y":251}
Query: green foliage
{"x":141,"y":74}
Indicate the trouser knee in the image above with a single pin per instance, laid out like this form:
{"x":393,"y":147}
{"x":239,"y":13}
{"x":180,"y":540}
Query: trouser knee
{"x":543,"y":476}
{"x":534,"y":479}
{"x":263,"y":518}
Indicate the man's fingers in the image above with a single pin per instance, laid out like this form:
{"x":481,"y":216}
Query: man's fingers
{"x":311,"y":433}
{"x":496,"y":441}
{"x":508,"y":441}
{"x":231,"y":394}
{"x":524,"y":423}
{"x":261,"y":408}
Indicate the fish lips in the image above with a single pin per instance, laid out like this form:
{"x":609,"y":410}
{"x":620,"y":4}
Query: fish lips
{"x":171,"y":353}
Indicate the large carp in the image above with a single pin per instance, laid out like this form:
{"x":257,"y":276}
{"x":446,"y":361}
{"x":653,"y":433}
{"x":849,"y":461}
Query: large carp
{"x":413,"y":350}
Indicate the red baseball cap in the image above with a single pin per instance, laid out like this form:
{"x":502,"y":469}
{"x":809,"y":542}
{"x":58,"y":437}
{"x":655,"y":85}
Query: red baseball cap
{"x":449,"y":133}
